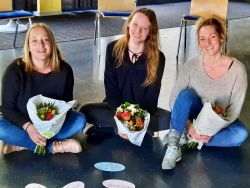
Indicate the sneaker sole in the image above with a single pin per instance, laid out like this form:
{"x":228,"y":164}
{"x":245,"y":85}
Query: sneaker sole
{"x":177,"y":160}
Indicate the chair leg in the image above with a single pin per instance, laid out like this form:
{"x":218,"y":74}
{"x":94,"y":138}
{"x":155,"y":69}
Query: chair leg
{"x":30,"y":22}
{"x":179,"y":42}
{"x":95,"y":32}
{"x":99,"y":37}
{"x":14,"y":42}
{"x":185,"y":35}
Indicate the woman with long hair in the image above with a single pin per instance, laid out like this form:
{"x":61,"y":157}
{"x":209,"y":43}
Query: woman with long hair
{"x":133,"y":73}
{"x":41,"y":70}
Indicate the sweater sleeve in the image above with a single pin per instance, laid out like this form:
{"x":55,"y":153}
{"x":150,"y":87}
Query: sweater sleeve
{"x":238,"y":94}
{"x":11,"y":80}
{"x":113,"y":95}
{"x":150,"y":99}
{"x":181,"y":83}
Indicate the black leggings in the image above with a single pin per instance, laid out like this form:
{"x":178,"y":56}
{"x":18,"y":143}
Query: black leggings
{"x":101,"y":114}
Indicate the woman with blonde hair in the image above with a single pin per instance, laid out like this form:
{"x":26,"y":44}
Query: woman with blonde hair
{"x":41,"y":70}
{"x":133,"y":73}
{"x":212,"y":77}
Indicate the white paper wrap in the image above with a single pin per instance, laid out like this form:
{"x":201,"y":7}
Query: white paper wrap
{"x":208,"y":122}
{"x":135,"y":137}
{"x":48,"y":128}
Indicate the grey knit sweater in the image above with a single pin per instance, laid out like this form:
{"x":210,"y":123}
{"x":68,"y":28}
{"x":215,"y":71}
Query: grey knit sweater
{"x":228,"y":91}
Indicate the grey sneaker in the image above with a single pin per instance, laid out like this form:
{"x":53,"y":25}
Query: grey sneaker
{"x":183,"y":139}
{"x":172,"y":155}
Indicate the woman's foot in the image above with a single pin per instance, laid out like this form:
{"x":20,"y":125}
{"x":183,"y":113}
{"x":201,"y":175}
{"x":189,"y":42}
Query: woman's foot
{"x":7,"y":148}
{"x":87,"y":127}
{"x":172,"y":155}
{"x":96,"y":134}
{"x":66,"y":146}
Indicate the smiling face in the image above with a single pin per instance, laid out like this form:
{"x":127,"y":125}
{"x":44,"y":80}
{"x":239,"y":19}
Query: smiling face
{"x":209,"y":40}
{"x":40,"y":44}
{"x":139,"y":28}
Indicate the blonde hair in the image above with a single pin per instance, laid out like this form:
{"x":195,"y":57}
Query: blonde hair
{"x":151,"y":46}
{"x":55,"y":56}
{"x":218,"y":23}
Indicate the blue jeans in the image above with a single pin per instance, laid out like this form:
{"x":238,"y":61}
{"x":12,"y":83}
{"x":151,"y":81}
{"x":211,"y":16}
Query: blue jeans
{"x":11,"y":134}
{"x":187,"y":107}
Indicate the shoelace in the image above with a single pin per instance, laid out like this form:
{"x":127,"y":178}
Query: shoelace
{"x":183,"y":139}
{"x":172,"y":152}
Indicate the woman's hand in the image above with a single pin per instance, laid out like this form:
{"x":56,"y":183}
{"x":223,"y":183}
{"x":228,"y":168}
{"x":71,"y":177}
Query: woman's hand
{"x":193,"y":134}
{"x":122,"y":135}
{"x":206,"y":138}
{"x":196,"y":136}
{"x":35,"y":136}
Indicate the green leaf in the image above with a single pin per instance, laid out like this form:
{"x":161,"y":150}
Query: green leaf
{"x":40,"y":150}
{"x":192,"y":145}
{"x":126,"y":104}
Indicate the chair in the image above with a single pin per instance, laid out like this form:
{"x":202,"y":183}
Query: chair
{"x":201,"y":8}
{"x":110,"y":9}
{"x":48,"y":7}
{"x":6,"y":5}
{"x":6,"y":13}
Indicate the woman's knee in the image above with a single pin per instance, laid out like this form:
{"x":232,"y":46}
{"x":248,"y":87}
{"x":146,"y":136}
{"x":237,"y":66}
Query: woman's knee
{"x":79,"y":119}
{"x":190,"y":99}
{"x":3,"y":128}
{"x":85,"y":108}
{"x":188,"y":94}
{"x":240,"y":135}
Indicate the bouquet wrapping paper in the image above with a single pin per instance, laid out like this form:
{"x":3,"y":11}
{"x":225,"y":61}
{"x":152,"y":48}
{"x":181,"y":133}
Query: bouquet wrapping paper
{"x":135,"y":137}
{"x":208,"y":122}
{"x":48,"y":128}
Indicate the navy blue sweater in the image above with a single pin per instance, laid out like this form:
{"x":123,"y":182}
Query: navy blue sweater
{"x":18,"y":87}
{"x":125,"y":83}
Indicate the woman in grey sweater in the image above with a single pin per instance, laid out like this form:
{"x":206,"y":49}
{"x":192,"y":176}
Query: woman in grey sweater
{"x":211,"y":77}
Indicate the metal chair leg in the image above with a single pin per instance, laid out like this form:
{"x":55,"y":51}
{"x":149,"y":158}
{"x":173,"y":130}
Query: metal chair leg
{"x":99,"y":37}
{"x":95,"y":32}
{"x":185,"y":35}
{"x":14,"y":42}
{"x":179,"y":42}
{"x":30,"y":22}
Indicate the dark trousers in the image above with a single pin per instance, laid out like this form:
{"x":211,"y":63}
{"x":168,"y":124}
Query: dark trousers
{"x":100,"y":114}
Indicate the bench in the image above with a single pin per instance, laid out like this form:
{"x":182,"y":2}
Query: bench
{"x":14,"y":15}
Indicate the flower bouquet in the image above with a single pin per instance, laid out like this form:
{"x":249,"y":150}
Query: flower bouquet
{"x":132,"y":121}
{"x":47,"y":116}
{"x":211,"y":119}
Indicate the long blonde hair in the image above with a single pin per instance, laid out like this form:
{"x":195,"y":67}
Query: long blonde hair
{"x":151,"y":46}
{"x":55,"y":57}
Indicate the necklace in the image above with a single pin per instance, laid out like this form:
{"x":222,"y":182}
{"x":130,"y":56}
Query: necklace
{"x":135,"y":56}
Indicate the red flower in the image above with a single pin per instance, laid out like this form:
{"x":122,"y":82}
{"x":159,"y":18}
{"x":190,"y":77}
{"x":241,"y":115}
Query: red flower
{"x":119,"y":114}
{"x":139,"y":122}
{"x":49,"y":116}
{"x":219,"y":110}
{"x":132,"y":116}
{"x":126,"y":116}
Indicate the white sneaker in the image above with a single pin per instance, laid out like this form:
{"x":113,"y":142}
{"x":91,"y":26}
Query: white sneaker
{"x":172,"y":155}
